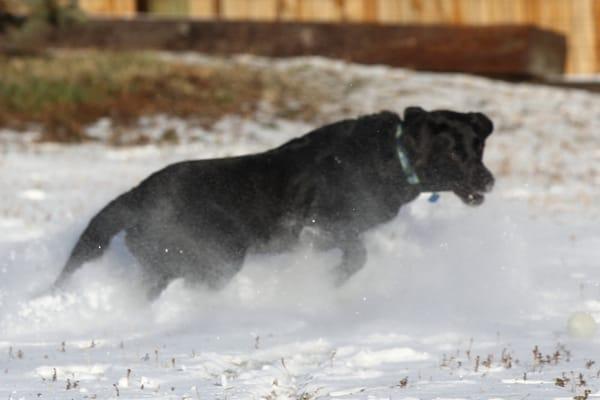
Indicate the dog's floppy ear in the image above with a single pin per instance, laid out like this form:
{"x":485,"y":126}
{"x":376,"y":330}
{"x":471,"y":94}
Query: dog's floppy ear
{"x":481,"y":123}
{"x":411,"y":113}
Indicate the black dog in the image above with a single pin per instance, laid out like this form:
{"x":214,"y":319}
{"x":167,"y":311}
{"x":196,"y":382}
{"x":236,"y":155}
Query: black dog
{"x":197,"y":219}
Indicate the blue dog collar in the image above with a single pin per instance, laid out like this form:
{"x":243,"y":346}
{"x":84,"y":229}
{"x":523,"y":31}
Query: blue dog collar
{"x":411,"y":176}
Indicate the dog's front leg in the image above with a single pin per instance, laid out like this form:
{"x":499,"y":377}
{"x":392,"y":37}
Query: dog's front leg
{"x":354,"y":257}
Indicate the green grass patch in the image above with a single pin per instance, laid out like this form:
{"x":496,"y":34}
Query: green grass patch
{"x":65,"y":91}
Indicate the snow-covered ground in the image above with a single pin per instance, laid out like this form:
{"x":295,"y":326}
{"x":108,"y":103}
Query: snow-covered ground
{"x":454,"y":303}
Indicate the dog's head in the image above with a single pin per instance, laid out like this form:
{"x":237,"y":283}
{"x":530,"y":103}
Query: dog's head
{"x":446,"y":150}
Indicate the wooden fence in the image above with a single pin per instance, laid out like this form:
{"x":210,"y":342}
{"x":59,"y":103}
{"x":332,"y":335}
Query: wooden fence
{"x":579,"y":20}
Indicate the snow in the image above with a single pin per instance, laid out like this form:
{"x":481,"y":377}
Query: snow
{"x":451,"y":304}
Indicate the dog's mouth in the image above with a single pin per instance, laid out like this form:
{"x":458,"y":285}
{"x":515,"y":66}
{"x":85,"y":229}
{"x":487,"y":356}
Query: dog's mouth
{"x":471,"y":198}
{"x":473,"y":195}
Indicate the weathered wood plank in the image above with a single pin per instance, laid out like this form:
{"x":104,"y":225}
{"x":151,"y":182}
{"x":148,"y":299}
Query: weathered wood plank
{"x":491,"y":50}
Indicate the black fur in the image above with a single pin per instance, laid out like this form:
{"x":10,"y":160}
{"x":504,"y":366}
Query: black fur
{"x":198,"y":219}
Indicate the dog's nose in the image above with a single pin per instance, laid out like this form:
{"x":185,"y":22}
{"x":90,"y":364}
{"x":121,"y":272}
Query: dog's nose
{"x":488,"y":181}
{"x":485,"y":179}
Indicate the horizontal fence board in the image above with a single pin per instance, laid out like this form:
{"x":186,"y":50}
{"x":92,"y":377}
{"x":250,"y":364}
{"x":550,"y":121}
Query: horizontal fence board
{"x":578,"y":20}
{"x":507,"y":51}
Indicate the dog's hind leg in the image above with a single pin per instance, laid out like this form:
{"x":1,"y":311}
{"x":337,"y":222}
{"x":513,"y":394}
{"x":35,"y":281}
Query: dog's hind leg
{"x":216,"y":251}
{"x":354,"y":257}
{"x":156,"y":286}
{"x":158,"y":265}
{"x":219,"y":262}
{"x":198,"y":258}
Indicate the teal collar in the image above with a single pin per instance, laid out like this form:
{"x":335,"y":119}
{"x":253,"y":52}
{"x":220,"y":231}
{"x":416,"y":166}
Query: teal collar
{"x":409,"y":171}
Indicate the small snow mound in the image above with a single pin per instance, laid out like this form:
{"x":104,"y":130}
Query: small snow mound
{"x":369,"y":358}
{"x":582,"y":325}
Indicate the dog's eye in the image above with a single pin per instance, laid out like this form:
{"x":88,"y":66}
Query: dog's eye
{"x":454,"y":156}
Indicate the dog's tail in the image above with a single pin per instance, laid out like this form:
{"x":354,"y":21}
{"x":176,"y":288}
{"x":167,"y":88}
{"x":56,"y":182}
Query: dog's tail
{"x":112,"y":219}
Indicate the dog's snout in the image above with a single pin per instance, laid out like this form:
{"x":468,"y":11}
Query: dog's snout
{"x":484,"y":179}
{"x":490,"y":184}
{"x":488,"y":181}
